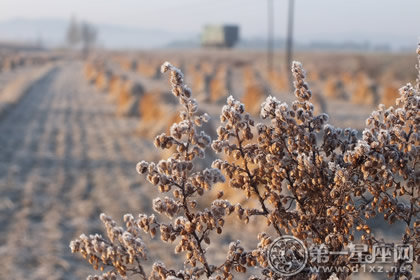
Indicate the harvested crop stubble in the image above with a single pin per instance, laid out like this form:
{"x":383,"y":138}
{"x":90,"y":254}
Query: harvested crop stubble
{"x":333,"y":88}
{"x":365,"y":91}
{"x":148,"y":68}
{"x":255,"y":91}
{"x":129,"y":98}
{"x":116,"y":85}
{"x":220,"y":83}
{"x":102,"y":80}
{"x":389,"y":95}
{"x":91,"y":71}
{"x":252,"y":98}
{"x":249,"y":76}
{"x":126,"y":64}
{"x":154,"y":113}
{"x":278,"y":81}
{"x":198,"y":78}
{"x":8,"y":64}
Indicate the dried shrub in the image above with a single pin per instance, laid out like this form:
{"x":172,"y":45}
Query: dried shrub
{"x":319,"y":183}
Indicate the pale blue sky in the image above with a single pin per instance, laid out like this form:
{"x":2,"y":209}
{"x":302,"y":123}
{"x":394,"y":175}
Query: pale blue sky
{"x":336,"y":20}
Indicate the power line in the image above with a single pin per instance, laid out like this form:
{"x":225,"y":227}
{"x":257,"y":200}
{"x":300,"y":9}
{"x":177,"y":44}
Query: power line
{"x":289,"y":43}
{"x":270,"y":35}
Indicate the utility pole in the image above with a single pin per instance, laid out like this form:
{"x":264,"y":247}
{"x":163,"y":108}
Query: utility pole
{"x":270,"y":35}
{"x":289,"y":43}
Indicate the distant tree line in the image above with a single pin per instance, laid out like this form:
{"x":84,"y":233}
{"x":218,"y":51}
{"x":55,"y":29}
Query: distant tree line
{"x":81,"y":35}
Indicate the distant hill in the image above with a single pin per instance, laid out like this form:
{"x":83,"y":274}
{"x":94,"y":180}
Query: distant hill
{"x":52,"y":34}
{"x":12,"y":46}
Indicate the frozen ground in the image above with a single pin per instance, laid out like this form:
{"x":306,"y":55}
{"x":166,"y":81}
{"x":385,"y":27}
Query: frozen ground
{"x":64,"y":159}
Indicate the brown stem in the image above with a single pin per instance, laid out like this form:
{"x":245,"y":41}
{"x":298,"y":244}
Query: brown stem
{"x":253,"y":183}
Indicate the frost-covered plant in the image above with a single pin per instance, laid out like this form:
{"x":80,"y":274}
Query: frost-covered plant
{"x":309,"y":179}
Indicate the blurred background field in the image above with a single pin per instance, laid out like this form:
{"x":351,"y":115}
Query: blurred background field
{"x":82,"y":97}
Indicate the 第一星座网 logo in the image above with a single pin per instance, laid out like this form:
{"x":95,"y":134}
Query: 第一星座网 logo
{"x":287,"y":255}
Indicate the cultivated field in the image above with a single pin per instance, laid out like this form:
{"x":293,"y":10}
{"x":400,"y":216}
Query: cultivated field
{"x":73,"y":130}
